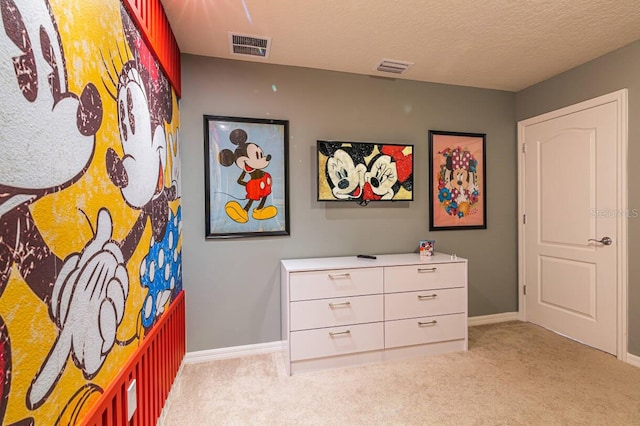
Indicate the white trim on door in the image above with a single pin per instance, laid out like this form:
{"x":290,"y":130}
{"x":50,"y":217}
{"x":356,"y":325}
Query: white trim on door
{"x":620,"y":99}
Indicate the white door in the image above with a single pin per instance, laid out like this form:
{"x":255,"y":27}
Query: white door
{"x":573,"y":213}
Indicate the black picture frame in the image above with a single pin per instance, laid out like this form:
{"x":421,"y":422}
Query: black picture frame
{"x":364,"y":171}
{"x":246,"y":177}
{"x":457,"y":180}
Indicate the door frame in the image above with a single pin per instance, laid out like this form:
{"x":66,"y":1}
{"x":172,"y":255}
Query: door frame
{"x":620,"y":98}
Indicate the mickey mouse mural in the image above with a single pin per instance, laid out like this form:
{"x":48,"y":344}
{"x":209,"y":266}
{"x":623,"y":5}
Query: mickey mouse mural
{"x":90,"y":238}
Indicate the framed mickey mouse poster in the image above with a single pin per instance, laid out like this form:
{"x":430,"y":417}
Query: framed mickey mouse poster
{"x":246,"y":177}
{"x":457,"y":181}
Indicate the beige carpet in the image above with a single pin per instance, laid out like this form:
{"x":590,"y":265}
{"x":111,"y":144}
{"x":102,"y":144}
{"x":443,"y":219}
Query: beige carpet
{"x":513,"y":374}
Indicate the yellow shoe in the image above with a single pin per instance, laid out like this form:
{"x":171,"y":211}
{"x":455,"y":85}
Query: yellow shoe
{"x":265,"y":213}
{"x":236,"y":212}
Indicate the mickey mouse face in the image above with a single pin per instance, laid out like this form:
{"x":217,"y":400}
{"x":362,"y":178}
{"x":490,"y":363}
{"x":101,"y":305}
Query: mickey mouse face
{"x":42,"y":121}
{"x":345,"y":177}
{"x":254,"y":159}
{"x":249,"y":157}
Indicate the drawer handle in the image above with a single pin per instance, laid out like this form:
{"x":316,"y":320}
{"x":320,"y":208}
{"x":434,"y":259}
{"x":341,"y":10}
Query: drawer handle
{"x":427,"y":323}
{"x":334,"y":276}
{"x":427,"y":296}
{"x":423,"y":270}
{"x":337,"y":305}
{"x":339,"y":333}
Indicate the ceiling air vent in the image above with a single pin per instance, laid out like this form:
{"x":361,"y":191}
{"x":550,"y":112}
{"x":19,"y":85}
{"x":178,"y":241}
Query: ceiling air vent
{"x":248,"y":45}
{"x":393,"y":66}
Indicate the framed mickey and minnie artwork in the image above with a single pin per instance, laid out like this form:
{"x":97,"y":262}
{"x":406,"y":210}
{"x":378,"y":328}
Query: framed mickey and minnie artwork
{"x":247,"y":182}
{"x":457,"y":181}
{"x":364,"y":171}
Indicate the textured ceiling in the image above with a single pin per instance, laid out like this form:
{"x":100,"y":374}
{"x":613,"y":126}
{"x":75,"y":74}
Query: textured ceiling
{"x":496,"y":44}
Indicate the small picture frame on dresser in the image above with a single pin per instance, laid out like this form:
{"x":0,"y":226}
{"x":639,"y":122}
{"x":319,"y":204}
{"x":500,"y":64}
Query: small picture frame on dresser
{"x":427,"y":248}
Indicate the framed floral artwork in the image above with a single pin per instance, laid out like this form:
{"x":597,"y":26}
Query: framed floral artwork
{"x":457,"y":181}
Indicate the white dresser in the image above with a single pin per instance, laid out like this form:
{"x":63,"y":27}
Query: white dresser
{"x":339,"y":311}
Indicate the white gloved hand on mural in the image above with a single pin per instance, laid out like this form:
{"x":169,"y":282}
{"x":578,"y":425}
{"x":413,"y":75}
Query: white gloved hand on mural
{"x":87,"y":305}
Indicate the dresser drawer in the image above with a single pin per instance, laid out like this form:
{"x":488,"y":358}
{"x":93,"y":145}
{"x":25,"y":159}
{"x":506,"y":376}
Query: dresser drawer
{"x":424,"y":303}
{"x":320,"y":313}
{"x":335,"y":283}
{"x":424,"y":330}
{"x":424,"y":277}
{"x":324,"y":342}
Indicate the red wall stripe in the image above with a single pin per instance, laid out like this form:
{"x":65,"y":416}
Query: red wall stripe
{"x":155,"y":29}
{"x":154,"y":367}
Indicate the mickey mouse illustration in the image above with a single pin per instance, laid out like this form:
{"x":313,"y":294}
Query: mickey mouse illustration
{"x":346,"y":167}
{"x":249,"y":158}
{"x":387,"y":172}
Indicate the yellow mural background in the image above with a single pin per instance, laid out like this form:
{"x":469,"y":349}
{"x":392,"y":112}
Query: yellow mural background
{"x":90,"y":30}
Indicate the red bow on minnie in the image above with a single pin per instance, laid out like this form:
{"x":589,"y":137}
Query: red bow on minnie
{"x":404,"y":163}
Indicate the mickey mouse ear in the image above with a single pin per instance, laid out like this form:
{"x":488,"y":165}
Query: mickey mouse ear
{"x":238,"y":137}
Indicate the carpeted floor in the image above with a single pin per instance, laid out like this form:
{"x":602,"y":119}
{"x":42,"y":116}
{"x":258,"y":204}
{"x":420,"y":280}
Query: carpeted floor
{"x":513,"y":374}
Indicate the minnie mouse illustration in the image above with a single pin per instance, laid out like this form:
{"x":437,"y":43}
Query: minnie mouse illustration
{"x":387,"y":172}
{"x":249,"y":158}
{"x":144,"y":103}
{"x":458,"y":191}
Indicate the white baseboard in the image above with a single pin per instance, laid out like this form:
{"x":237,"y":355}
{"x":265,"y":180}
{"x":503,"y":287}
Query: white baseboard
{"x":493,"y":318}
{"x":231,"y":352}
{"x":633,"y":359}
{"x":261,"y":348}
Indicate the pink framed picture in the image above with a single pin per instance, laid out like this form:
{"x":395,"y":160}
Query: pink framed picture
{"x":457,"y":181}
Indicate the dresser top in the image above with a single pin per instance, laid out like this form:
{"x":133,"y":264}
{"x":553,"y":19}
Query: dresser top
{"x":320,"y":263}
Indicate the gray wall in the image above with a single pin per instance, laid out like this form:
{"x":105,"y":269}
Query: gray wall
{"x":615,"y":71}
{"x":232,"y":286}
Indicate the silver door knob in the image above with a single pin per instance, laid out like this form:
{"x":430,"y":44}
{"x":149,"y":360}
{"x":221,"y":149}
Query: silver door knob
{"x":605,"y":240}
